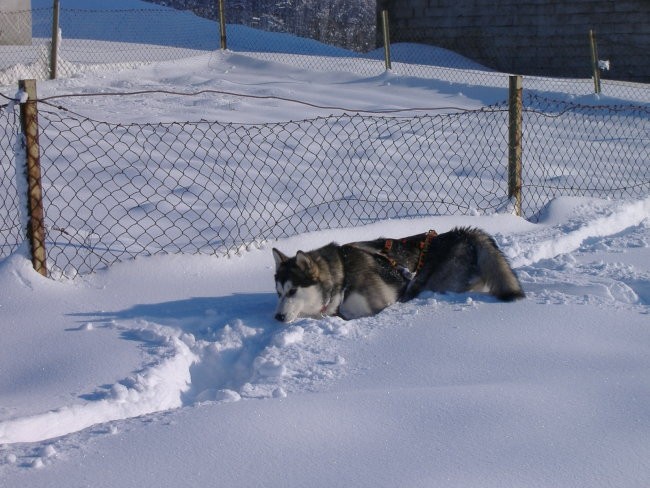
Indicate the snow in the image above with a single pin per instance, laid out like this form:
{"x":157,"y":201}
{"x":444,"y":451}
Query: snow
{"x":171,"y":371}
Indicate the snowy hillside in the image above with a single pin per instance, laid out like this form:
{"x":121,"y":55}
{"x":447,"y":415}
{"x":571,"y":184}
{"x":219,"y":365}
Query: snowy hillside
{"x":171,"y":371}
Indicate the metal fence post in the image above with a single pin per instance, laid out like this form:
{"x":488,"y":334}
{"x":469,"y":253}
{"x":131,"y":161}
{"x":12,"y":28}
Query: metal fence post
{"x":54,"y":52}
{"x":222,"y":25}
{"x":36,"y":214}
{"x":384,"y":25}
{"x":594,"y":61}
{"x":515,"y":109}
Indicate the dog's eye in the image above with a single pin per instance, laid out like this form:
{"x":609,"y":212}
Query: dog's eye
{"x":291,"y":292}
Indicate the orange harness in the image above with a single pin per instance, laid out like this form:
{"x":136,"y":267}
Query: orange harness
{"x":424,"y":247}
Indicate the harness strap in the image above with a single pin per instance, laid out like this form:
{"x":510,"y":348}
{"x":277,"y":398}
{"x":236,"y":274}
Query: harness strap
{"x":423,"y":245}
{"x":388,"y":246}
{"x":424,"y":248}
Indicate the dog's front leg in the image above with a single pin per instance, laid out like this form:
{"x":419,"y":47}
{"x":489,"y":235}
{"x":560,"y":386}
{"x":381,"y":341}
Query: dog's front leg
{"x":414,"y":286}
{"x":406,"y":273}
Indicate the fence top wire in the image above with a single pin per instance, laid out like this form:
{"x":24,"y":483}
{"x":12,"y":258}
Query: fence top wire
{"x":534,"y":102}
{"x":10,"y":100}
{"x":48,"y":100}
{"x":345,"y":113}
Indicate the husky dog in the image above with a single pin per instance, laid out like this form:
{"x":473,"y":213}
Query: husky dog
{"x":362,"y":278}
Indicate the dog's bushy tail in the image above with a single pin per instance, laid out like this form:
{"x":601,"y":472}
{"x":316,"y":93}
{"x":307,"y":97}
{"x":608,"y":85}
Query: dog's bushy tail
{"x":495,"y":271}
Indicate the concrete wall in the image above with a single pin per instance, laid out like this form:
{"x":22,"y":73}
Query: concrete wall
{"x":533,"y":37}
{"x":15,"y":22}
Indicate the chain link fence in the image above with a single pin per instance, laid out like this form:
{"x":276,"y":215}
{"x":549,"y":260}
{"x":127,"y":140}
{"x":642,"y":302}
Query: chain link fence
{"x":113,"y":192}
{"x":87,"y":45}
{"x":31,"y":55}
{"x":12,"y":231}
{"x":444,"y":63}
{"x":94,"y":40}
{"x":581,"y":150}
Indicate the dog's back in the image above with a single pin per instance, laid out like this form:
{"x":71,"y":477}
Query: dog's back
{"x":461,"y":260}
{"x":404,"y":252}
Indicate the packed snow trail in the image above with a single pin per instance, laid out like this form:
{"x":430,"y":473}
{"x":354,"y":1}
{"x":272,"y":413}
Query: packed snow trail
{"x":153,"y":389}
{"x":201,"y":359}
{"x":591,"y":219}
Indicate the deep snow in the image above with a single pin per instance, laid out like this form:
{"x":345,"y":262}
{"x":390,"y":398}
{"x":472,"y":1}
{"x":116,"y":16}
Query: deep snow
{"x":170,"y":370}
{"x":449,"y":390}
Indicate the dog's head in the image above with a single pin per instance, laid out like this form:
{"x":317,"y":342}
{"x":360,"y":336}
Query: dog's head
{"x":298,"y":287}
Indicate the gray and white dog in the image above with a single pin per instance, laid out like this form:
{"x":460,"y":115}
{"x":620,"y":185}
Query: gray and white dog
{"x":362,"y":278}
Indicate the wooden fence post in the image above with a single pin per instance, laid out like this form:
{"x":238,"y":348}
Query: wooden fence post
{"x":36,"y":214}
{"x":54,"y":52}
{"x":384,"y":25}
{"x":222,"y":25}
{"x":594,"y":61}
{"x":515,"y":106}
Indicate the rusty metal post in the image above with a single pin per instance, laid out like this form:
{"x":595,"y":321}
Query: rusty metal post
{"x":384,"y":25}
{"x":222,"y":25}
{"x":36,"y":214}
{"x":515,"y":104}
{"x":54,"y":52}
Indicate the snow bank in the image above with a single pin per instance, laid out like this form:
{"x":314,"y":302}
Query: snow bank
{"x":591,"y":218}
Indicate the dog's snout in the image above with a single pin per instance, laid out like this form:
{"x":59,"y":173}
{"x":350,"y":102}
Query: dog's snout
{"x":280,"y":316}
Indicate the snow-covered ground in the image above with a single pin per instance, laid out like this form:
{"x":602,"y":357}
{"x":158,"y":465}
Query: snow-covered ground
{"x":170,"y":370}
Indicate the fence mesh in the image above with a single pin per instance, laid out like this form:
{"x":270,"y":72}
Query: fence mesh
{"x":345,"y":44}
{"x":32,"y":55}
{"x":581,"y":150}
{"x":117,"y":191}
{"x":11,"y":233}
{"x":443,"y":62}
{"x":113,"y":192}
{"x":86,"y":44}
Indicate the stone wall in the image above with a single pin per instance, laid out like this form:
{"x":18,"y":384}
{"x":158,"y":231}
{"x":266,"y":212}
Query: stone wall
{"x":532,"y":37}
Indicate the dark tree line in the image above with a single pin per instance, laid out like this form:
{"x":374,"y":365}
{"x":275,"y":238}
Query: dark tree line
{"x":349,"y":24}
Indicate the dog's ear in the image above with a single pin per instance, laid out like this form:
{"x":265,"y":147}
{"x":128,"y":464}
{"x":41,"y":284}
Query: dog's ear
{"x":303,"y":261}
{"x":279,"y":258}
{"x":306,"y":264}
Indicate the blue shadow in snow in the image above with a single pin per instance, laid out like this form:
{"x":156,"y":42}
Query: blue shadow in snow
{"x":193,"y":315}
